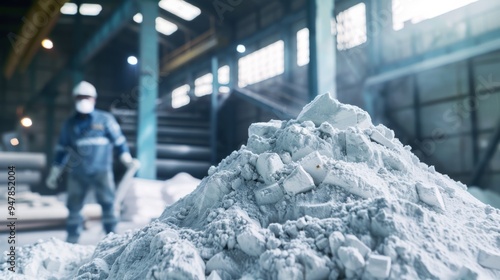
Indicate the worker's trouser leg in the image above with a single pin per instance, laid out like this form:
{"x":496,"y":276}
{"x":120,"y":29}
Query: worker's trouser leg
{"x":105,"y":195}
{"x":78,"y":185}
{"x":77,"y":189}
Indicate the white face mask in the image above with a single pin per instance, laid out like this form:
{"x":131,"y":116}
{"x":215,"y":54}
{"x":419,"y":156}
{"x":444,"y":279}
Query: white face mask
{"x":84,"y":106}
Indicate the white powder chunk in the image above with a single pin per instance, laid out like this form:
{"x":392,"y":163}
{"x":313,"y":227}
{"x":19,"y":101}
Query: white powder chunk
{"x":267,"y":165}
{"x":269,"y":194}
{"x":315,"y":166}
{"x":252,"y":242}
{"x":351,"y":258}
{"x":353,"y":241}
{"x":353,"y":184}
{"x":336,"y":239}
{"x":287,"y":273}
{"x":430,"y":195}
{"x":381,"y":139}
{"x":489,"y":259}
{"x":264,"y":129}
{"x":298,"y":181}
{"x":379,"y":266}
{"x":324,"y":108}
{"x":221,"y":261}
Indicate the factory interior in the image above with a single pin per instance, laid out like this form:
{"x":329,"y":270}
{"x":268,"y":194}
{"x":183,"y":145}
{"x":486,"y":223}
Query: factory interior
{"x":185,"y":79}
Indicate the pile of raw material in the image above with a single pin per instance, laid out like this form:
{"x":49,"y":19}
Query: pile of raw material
{"x":326,"y":196}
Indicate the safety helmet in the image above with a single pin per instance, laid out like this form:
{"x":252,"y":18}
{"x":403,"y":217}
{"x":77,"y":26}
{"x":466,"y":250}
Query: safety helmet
{"x":84,"y":88}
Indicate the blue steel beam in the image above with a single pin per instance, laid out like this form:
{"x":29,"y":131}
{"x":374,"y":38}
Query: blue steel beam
{"x":117,"y":21}
{"x":148,"y":90}
{"x":266,"y":104}
{"x":486,"y":157}
{"x":214,"y":108}
{"x":469,"y":48}
{"x":119,"y":18}
{"x":288,"y":54}
{"x":275,"y":28}
{"x":322,"y":49}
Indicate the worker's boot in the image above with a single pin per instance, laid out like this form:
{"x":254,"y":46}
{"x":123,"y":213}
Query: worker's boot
{"x":73,"y":233}
{"x":109,"y":227}
{"x":72,"y":239}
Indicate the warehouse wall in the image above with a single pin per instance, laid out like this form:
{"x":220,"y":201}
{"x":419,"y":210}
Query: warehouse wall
{"x":445,"y":105}
{"x":429,"y":110}
{"x":434,"y":110}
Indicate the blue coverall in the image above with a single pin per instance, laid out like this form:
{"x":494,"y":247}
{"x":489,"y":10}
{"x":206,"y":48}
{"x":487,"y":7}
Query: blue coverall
{"x":85,"y":149}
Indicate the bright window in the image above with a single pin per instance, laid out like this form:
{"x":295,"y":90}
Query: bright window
{"x":351,"y":27}
{"x":203,"y":84}
{"x":303,"y":47}
{"x":261,"y":64}
{"x":180,"y":96}
{"x":223,"y":74}
{"x":180,"y":8}
{"x":417,"y":11}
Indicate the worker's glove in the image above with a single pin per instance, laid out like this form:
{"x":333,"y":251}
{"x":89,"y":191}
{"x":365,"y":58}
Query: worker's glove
{"x":51,"y":180}
{"x":128,"y":161}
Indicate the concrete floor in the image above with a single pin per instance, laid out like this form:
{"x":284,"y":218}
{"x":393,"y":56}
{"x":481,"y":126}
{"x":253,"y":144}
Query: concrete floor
{"x":91,"y":236}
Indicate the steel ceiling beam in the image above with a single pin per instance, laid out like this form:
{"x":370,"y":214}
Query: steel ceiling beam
{"x":37,"y":23}
{"x":466,"y":49}
{"x":178,"y":21}
{"x":182,"y":55}
{"x":116,"y":22}
{"x":161,"y":40}
{"x":206,"y":7}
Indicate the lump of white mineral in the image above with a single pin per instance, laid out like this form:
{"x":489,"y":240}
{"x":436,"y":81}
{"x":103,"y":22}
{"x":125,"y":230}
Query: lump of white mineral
{"x":324,"y":108}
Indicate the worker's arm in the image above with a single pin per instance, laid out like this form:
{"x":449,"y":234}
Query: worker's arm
{"x":62,"y":148}
{"x":60,"y":158}
{"x":119,"y":142}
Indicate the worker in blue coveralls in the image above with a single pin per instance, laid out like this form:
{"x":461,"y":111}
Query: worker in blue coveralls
{"x":85,"y":151}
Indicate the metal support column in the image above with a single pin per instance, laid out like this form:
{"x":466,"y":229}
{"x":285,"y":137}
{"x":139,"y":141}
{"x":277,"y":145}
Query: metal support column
{"x":49,"y":123}
{"x":233,"y":71}
{"x":288,"y":54}
{"x":322,"y":62}
{"x":378,"y":22}
{"x":76,"y":73}
{"x":488,"y":154}
{"x":473,"y":110}
{"x":417,"y":108}
{"x":148,"y":89}
{"x":213,"y":110}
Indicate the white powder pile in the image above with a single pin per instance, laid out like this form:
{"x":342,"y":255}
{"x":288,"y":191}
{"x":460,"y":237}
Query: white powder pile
{"x":326,"y":196}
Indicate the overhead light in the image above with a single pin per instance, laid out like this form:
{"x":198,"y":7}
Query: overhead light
{"x":138,"y":17}
{"x":26,"y":122}
{"x":90,"y":9}
{"x":69,"y":9}
{"x":14,"y":141}
{"x":46,"y":43}
{"x":132,"y":60}
{"x":180,"y":8}
{"x":164,"y":26}
{"x":240,"y":48}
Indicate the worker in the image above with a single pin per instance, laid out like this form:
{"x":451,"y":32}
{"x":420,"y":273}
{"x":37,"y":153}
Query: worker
{"x":85,"y":152}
